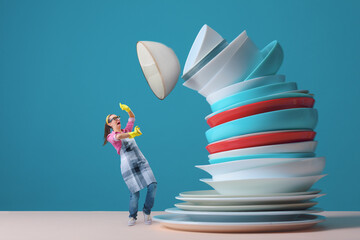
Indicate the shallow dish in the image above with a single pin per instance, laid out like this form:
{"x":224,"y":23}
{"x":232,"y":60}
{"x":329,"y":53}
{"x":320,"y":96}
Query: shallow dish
{"x":263,"y":185}
{"x":260,"y":139}
{"x":262,"y":156}
{"x":259,"y":107}
{"x":207,"y":43}
{"x":215,"y":194}
{"x":217,"y":224}
{"x":298,"y":147}
{"x":297,"y":118}
{"x":261,"y":99}
{"x":257,"y":213}
{"x":293,"y":168}
{"x":243,"y":86}
{"x":196,"y":80}
{"x":253,"y":93}
{"x":249,"y":200}
{"x":273,"y":56}
{"x":225,"y":167}
{"x":235,"y":208}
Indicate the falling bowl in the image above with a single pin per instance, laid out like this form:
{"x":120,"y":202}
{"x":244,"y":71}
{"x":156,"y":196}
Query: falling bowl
{"x":160,"y":66}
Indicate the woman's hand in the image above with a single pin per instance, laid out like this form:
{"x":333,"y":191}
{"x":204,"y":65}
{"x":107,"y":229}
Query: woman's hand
{"x":135,"y":133}
{"x":124,"y":107}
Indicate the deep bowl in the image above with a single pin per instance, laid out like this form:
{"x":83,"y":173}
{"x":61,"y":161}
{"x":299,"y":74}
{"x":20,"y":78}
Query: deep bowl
{"x":291,"y":167}
{"x":260,"y":107}
{"x":253,"y":93}
{"x":288,"y":119}
{"x":263,"y":185}
{"x":242,"y":86}
{"x":260,"y":139}
{"x":298,"y":147}
{"x":273,"y":56}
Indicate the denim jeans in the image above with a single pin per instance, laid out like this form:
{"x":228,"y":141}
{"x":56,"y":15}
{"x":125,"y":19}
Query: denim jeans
{"x":149,"y":201}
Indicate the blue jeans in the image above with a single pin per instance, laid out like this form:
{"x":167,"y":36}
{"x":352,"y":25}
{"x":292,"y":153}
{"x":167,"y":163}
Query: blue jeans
{"x":149,"y":201}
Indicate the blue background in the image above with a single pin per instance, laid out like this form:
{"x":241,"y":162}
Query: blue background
{"x":65,"y":65}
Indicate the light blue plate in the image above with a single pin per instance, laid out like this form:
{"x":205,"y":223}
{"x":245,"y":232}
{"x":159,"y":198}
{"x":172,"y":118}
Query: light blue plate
{"x":288,"y":119}
{"x":273,"y":155}
{"x":273,"y":56}
{"x":260,"y":99}
{"x":253,"y":93}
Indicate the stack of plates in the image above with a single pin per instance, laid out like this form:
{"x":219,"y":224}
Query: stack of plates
{"x":262,"y":158}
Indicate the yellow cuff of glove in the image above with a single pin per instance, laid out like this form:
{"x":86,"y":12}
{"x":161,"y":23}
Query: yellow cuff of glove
{"x":135,"y":133}
{"x":124,"y":107}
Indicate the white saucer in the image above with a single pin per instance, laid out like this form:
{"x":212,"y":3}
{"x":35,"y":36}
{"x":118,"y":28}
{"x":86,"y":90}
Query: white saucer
{"x":186,"y":222}
{"x":257,"y":213}
{"x":264,"y":207}
{"x":215,"y":194}
{"x":249,"y":200}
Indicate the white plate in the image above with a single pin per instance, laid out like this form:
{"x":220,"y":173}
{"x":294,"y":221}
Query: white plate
{"x":263,"y":185}
{"x":215,"y":194}
{"x":257,"y":213}
{"x":298,"y":147}
{"x":249,"y":200}
{"x":233,"y":208}
{"x":184,"y":222}
{"x":233,"y":170}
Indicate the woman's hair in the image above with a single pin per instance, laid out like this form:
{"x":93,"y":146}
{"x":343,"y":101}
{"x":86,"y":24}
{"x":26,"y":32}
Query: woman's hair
{"x":106,"y":132}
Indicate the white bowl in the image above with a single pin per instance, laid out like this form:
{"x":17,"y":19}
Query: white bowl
{"x":205,"y":42}
{"x":160,"y":66}
{"x":242,"y":165}
{"x":235,"y":69}
{"x":203,"y":75}
{"x":242,"y":86}
{"x":263,"y":185}
{"x":298,"y":147}
{"x":299,"y":168}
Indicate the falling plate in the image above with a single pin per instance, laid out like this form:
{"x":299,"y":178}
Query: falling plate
{"x":218,"y":224}
{"x":249,"y":200}
{"x":257,"y":213}
{"x":215,"y":194}
{"x":233,"y":208}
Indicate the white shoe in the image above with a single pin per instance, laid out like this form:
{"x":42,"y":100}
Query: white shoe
{"x":131,"y":221}
{"x":147,"y":219}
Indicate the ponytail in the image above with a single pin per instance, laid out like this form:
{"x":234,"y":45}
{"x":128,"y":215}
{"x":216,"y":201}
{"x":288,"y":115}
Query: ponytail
{"x":106,"y":133}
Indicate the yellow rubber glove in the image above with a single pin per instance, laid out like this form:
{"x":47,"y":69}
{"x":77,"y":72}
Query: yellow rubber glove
{"x":124,"y":107}
{"x":135,"y":133}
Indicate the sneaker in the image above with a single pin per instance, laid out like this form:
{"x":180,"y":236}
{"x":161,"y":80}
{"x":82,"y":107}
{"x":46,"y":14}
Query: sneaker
{"x":147,"y":219}
{"x":131,"y":221}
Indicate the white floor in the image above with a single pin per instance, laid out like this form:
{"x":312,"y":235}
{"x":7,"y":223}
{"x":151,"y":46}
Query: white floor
{"x":113,"y":225}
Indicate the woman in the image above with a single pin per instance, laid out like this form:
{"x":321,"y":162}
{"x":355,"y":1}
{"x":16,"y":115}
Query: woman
{"x":135,"y":169}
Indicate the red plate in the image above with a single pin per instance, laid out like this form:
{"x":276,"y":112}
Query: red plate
{"x":260,"y":139}
{"x":260,"y":107}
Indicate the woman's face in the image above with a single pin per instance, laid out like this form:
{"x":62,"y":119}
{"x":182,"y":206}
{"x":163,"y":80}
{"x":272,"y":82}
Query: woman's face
{"x":114,"y":121}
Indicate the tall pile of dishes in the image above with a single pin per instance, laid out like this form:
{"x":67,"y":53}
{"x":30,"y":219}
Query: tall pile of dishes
{"x":261,"y":142}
